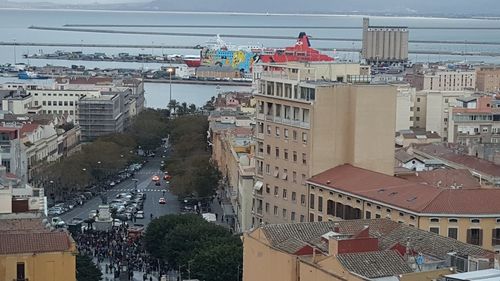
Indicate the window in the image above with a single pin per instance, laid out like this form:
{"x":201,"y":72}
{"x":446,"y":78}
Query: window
{"x":303,"y":179}
{"x":276,"y":191}
{"x":36,"y":103}
{"x":268,"y":149}
{"x":268,"y":169}
{"x":268,"y":189}
{"x":311,"y":201}
{"x":294,"y":135}
{"x":284,"y":176}
{"x":401,"y":214}
{"x":453,"y":220}
{"x":304,"y":159}
{"x":495,"y":237}
{"x":302,"y":218}
{"x":65,"y":103}
{"x":434,"y":230}
{"x":368,"y":215}
{"x":453,"y":232}
{"x":277,"y":131}
{"x":320,"y":218}
{"x":377,"y":216}
{"x":276,"y":172}
{"x":294,"y":196}
{"x":275,"y":210}
{"x":311,"y":217}
{"x":20,"y":273}
{"x":267,"y":208}
{"x":435,"y":220}
{"x":302,"y":199}
{"x":418,"y":108}
{"x":285,"y":133}
{"x":60,"y":103}
{"x":268,"y":129}
{"x":294,"y":177}
{"x":475,"y":236}
{"x":292,"y":216}
{"x":49,"y":102}
{"x":277,"y":152}
{"x":475,"y":220}
{"x":44,"y":103}
{"x":284,"y":193}
{"x":284,"y":214}
{"x":304,"y":137}
{"x":295,"y":156}
{"x":320,"y":203}
{"x":418,"y":99}
{"x":285,"y":154}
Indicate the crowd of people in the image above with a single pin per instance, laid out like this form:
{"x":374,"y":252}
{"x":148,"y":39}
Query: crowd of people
{"x":113,"y":249}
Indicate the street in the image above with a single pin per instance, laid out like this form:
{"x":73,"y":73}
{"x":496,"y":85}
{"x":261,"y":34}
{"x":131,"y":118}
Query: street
{"x":144,"y":183}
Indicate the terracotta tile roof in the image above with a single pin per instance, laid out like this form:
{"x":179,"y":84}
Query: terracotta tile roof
{"x":18,"y":243}
{"x":288,"y":237}
{"x":444,"y":178}
{"x":403,"y":156}
{"x":28,"y":128}
{"x":408,"y":195}
{"x":375,"y":264}
{"x":439,"y":150}
{"x":378,"y":187}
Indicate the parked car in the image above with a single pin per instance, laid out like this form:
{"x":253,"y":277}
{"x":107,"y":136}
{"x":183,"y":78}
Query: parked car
{"x":139,"y":214}
{"x":162,"y":201}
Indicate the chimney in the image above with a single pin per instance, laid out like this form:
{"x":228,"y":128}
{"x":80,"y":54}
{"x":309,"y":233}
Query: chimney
{"x":333,"y":246}
{"x":336,"y":227}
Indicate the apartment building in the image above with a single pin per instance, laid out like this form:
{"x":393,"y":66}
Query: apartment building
{"x":488,"y":79}
{"x":442,"y":202}
{"x":306,"y":123}
{"x":99,"y":116}
{"x":442,"y":79}
{"x":31,"y":251}
{"x":404,"y":107}
{"x":18,"y":197}
{"x":475,"y":119}
{"x":431,"y":110}
{"x":356,"y":250}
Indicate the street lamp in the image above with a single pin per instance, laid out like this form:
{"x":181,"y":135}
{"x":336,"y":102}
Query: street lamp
{"x":170,"y":70}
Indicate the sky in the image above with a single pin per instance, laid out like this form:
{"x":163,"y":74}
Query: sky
{"x":82,"y":1}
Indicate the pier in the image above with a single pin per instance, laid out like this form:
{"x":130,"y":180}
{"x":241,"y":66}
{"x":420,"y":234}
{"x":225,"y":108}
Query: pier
{"x":251,"y":36}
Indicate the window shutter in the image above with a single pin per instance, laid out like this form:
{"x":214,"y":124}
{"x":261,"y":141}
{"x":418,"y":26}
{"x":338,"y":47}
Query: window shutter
{"x":469,"y":236}
{"x":480,"y":237}
{"x":493,"y":237}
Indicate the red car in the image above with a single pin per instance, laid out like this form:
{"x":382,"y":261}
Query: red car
{"x":162,"y":201}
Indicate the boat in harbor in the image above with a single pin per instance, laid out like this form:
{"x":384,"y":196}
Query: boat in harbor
{"x":26,"y":75}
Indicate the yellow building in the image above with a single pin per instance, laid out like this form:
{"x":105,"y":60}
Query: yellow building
{"x":355,"y":250}
{"x":444,"y":202}
{"x":30,"y":252}
{"x":488,"y":78}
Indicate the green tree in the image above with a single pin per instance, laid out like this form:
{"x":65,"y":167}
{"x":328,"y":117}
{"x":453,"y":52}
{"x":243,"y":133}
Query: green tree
{"x":86,"y":270}
{"x":222,"y":262}
{"x":192,"y":108}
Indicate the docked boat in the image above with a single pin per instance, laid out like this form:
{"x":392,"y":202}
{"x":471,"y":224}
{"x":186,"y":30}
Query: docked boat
{"x":26,"y":75}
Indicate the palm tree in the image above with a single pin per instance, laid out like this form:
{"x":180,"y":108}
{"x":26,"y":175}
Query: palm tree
{"x":172,"y":106}
{"x":192,"y":108}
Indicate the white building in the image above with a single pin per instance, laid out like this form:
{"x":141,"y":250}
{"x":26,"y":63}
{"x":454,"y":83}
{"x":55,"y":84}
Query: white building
{"x":404,"y":106}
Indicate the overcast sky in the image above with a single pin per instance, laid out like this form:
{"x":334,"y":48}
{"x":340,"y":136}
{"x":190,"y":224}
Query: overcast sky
{"x":82,"y":1}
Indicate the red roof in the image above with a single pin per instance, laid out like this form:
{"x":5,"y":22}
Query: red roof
{"x":28,"y":128}
{"x":444,"y":178}
{"x":21,"y":243}
{"x":408,"y":195}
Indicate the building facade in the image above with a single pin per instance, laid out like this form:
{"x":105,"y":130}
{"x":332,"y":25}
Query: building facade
{"x":384,"y":43}
{"x":101,"y":116}
{"x":444,"y":80}
{"x":305,"y":124}
{"x":460,"y":211}
{"x":488,"y":79}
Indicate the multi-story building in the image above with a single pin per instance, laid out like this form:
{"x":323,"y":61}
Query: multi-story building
{"x":431,"y":110}
{"x":440,"y":79}
{"x":356,"y":250}
{"x":101,"y":115}
{"x":384,"y":43}
{"x":19,"y":197}
{"x":306,"y":123}
{"x":475,"y":119}
{"x":488,"y":79}
{"x":441,"y":203}
{"x":404,"y":105}
{"x":31,"y":251}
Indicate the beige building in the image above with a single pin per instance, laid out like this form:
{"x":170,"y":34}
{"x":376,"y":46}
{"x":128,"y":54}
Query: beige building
{"x":488,"y":78}
{"x":438,"y":79}
{"x":404,"y":107}
{"x":384,"y":43}
{"x":306,"y":124}
{"x":355,"y":250}
{"x":431,"y":110}
{"x":447,"y":203}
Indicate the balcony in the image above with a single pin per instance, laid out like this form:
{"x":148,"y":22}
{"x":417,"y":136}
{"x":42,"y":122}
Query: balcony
{"x":260,"y":116}
{"x":260,"y":136}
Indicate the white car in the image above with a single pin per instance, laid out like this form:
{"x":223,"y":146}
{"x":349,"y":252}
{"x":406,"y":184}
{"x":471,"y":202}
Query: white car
{"x":93,"y":214}
{"x":139,"y":215}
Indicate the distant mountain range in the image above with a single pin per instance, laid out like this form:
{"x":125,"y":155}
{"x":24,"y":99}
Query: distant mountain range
{"x":445,"y":8}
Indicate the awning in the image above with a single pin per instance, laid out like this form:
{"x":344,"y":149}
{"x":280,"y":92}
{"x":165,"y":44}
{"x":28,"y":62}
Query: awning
{"x":258,"y":185}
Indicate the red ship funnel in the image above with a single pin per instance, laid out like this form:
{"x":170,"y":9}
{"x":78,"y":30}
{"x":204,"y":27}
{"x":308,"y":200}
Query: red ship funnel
{"x":303,"y":40}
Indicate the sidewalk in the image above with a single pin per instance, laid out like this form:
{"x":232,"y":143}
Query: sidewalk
{"x":138,"y":276}
{"x":218,"y":209}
